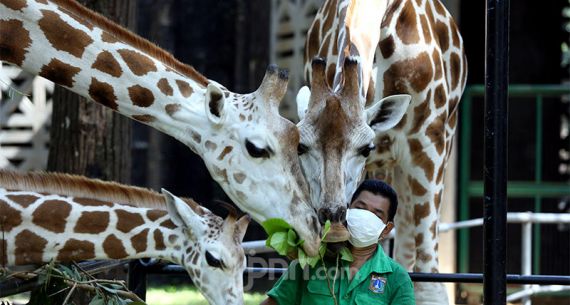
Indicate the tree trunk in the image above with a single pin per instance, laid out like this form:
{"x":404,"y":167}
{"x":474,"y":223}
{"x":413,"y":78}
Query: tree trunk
{"x":87,"y":138}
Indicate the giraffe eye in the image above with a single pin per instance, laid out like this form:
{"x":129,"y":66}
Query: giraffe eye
{"x":256,"y":152}
{"x":365,"y":150}
{"x":212,"y":261}
{"x":302,"y":149}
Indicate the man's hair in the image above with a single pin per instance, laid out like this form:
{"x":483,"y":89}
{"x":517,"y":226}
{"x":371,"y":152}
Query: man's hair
{"x":381,"y":188}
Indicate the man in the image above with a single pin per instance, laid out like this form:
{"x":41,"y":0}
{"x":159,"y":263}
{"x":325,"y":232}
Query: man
{"x":371,"y":278}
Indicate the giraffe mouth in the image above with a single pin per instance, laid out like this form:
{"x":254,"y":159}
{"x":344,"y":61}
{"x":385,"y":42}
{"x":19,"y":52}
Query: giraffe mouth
{"x":337,"y":233}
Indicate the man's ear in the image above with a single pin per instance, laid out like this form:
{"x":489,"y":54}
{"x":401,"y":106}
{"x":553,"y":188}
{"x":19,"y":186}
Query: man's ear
{"x":387,"y":230}
{"x":387,"y":112}
{"x":215,"y":101}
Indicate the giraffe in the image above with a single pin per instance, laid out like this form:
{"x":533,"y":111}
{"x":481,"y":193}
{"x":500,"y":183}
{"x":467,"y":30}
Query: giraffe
{"x":241,"y":137}
{"x":58,"y":217}
{"x":405,"y":47}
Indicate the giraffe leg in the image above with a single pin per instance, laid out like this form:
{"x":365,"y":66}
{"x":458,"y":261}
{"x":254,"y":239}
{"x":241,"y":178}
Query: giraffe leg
{"x":404,"y":243}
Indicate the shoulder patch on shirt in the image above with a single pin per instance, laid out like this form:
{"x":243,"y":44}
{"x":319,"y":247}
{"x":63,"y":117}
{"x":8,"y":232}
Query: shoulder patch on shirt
{"x":377,"y":283}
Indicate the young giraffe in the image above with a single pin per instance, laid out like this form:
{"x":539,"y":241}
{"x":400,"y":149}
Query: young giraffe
{"x":45,"y":217}
{"x":241,"y":137}
{"x":418,"y":51}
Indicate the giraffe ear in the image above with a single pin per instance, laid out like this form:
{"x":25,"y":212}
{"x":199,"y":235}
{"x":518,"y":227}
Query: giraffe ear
{"x":215,"y":101}
{"x":388,"y":112}
{"x":241,"y":226}
{"x":303,"y":98}
{"x":181,"y":213}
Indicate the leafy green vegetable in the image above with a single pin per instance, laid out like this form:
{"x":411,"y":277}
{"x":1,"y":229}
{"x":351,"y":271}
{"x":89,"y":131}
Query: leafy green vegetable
{"x":346,"y":255}
{"x":275,"y":225}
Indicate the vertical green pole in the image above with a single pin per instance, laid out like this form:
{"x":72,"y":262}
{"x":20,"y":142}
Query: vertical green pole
{"x":537,"y":180}
{"x":465,"y":173}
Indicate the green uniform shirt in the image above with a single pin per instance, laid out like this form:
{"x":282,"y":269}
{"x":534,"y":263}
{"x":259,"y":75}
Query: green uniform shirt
{"x":380,"y":280}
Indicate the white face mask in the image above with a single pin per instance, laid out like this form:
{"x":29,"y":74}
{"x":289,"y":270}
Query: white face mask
{"x":364,"y":227}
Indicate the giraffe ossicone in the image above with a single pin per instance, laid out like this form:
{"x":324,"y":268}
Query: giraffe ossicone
{"x":38,"y":226}
{"x":242,"y":138}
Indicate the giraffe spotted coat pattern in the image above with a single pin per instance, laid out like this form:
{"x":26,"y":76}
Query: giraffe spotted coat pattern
{"x":418,"y":51}
{"x":241,"y":137}
{"x":40,"y":223}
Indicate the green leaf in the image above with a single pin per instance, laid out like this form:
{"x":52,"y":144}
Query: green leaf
{"x":275,"y":225}
{"x":292,"y":238}
{"x":326,"y":229}
{"x":137,"y":303}
{"x":279,"y":242}
{"x":346,"y":255}
{"x":302,"y":257}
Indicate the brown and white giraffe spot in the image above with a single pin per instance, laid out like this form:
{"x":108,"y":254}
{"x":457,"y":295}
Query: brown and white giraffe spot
{"x":168,"y":224}
{"x":165,"y":87}
{"x":14,"y":39}
{"x":52,"y":215}
{"x":196,"y":137}
{"x":9,"y":217}
{"x":436,"y":132}
{"x":63,"y":36}
{"x":155,"y":214}
{"x":383,"y":144}
{"x":106,"y":63}
{"x":114,"y":248}
{"x":442,"y":35}
{"x":221,"y":174}
{"x":171,"y":109}
{"x":324,"y":50}
{"x":313,"y":40}
{"x":172,"y":238}
{"x":138,"y":63}
{"x":139,"y":241}
{"x":76,"y":250}
{"x":29,"y":248}
{"x":406,"y":26}
{"x":126,"y":221}
{"x":420,"y":158}
{"x":92,"y":222}
{"x":437,"y":64}
{"x":91,"y":202}
{"x":437,"y":198}
{"x":440,"y":171}
{"x":144,"y":118}
{"x":439,"y":96}
{"x":439,"y":8}
{"x":239,"y":178}
{"x":59,"y":72}
{"x":426,"y":28}
{"x":421,"y":113}
{"x":390,"y":13}
{"x":210,"y":146}
{"x":418,"y":72}
{"x":184,"y":88}
{"x":454,"y":33}
{"x":331,"y":70}
{"x":455,"y":70}
{"x":419,"y":239}
{"x":464,"y":70}
{"x":108,"y":38}
{"x":402,"y":122}
{"x":416,"y":187}
{"x":421,"y":211}
{"x":103,"y":94}
{"x":387,"y":46}
{"x":158,"y":240}
{"x":423,"y":256}
{"x":16,"y":5}
{"x":23,"y":200}
{"x":141,"y":96}
{"x":225,"y":152}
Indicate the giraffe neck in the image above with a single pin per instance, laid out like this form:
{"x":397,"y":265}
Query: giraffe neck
{"x":38,"y":228}
{"x":359,"y":33}
{"x":84,"y":52}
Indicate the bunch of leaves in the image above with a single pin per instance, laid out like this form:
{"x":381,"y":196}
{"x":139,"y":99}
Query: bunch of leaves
{"x":285,"y":241}
{"x":59,"y":282}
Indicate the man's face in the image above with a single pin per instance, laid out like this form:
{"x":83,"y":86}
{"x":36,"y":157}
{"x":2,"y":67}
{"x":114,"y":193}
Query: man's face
{"x":377,"y":204}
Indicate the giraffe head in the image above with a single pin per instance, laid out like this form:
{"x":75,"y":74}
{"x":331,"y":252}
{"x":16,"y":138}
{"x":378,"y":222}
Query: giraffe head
{"x":251,"y":151}
{"x":337,"y":135}
{"x":214,"y":257}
